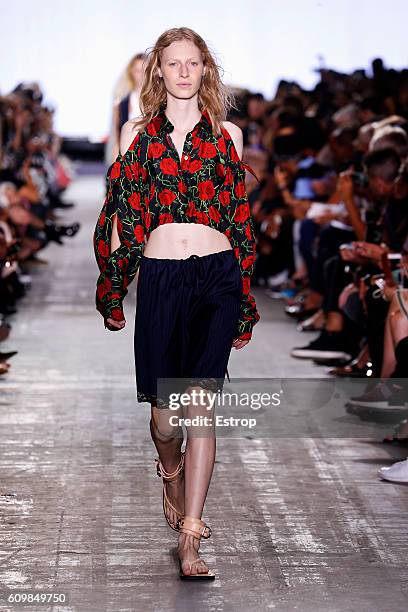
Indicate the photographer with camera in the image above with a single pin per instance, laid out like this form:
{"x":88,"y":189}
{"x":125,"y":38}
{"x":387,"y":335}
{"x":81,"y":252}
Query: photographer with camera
{"x":382,"y":222}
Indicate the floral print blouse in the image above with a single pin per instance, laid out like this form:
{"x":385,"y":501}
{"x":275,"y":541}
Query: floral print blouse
{"x":149,"y":186}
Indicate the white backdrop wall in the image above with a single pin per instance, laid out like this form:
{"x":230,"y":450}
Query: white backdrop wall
{"x":77,"y":49}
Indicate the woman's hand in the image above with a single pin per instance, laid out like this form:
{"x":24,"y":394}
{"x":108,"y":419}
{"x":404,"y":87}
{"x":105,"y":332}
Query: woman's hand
{"x":111,"y":323}
{"x":239,"y":344}
{"x":351,"y":255}
{"x":345,"y":186}
{"x":370,"y":250}
{"x":388,"y":292}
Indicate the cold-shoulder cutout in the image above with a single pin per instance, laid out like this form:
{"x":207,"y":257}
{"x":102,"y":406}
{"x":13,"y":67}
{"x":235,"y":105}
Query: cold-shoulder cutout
{"x":128,"y":136}
{"x":239,"y":135}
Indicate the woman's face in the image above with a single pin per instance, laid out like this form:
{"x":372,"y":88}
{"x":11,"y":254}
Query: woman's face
{"x":182,"y":69}
{"x":137,"y":71}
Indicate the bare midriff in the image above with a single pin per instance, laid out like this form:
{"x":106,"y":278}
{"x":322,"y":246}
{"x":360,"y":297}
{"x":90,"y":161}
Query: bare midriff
{"x":180,"y":240}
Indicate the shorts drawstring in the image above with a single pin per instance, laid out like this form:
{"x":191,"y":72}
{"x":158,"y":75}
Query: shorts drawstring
{"x":189,"y":267}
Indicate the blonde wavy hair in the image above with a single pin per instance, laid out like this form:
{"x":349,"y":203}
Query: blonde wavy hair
{"x":129,"y":67}
{"x":213,"y":96}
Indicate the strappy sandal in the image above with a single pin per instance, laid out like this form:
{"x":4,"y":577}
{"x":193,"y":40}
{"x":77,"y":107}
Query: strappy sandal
{"x":167,"y":477}
{"x":197,"y":528}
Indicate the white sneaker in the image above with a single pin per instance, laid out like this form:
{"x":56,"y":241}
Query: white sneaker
{"x":398,"y":472}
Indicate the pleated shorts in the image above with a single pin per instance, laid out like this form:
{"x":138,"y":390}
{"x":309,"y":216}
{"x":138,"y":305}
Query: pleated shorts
{"x":186,"y":319}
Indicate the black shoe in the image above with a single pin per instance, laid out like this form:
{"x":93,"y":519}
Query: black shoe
{"x":332,"y":363}
{"x":5,"y":356}
{"x":54,"y":232}
{"x":70,"y":230}
{"x":63,"y":205}
{"x":328,"y":345}
{"x":7,"y":309}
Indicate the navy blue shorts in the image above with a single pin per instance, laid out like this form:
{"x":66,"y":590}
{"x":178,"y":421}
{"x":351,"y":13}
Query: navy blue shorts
{"x":186,"y":318}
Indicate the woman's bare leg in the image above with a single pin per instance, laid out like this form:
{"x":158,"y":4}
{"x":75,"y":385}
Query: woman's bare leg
{"x":388,"y":363}
{"x":399,"y":327}
{"x":168,"y":440}
{"x":198,"y":466}
{"x":396,"y":328}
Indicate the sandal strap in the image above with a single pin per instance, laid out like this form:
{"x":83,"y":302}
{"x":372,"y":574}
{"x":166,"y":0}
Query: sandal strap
{"x":195,"y":527}
{"x":168,"y":502}
{"x":195,"y":561}
{"x":170,"y":475}
{"x":192,"y":562}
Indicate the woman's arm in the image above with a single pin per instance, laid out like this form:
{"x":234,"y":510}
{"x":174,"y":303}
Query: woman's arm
{"x":241,"y":234}
{"x":123,"y":209}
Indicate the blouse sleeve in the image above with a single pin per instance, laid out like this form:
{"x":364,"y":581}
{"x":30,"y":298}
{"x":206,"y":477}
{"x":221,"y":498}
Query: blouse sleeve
{"x":117,"y":269}
{"x":242,"y":239}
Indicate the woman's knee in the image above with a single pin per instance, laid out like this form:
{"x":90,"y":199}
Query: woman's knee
{"x":162,"y":429}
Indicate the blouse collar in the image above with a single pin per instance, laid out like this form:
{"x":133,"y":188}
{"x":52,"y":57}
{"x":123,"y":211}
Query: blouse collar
{"x":163,"y":124}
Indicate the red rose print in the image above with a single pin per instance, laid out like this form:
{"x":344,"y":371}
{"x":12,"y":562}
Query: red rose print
{"x":103,"y":249}
{"x":246,"y":285}
{"x":148,"y":220}
{"x":115,"y":171}
{"x":202,"y":218}
{"x":135,"y":167}
{"x":206,"y":190}
{"x":166,"y":197}
{"x":233,"y":154}
{"x":229,"y":178}
{"x":191,"y":210}
{"x":214,"y":214}
{"x":224,"y":198}
{"x":155,"y":150}
{"x":169,"y":166}
{"x":196,"y":141}
{"x":246,"y":336}
{"x":248,"y":232}
{"x":195,"y":166}
{"x":247,"y":262}
{"x":134,"y":200}
{"x":240,"y":190}
{"x":221,"y":145}
{"x":241,"y":213}
{"x":117,"y":314}
{"x":139,"y":233}
{"x":165,"y":218}
{"x":153,"y":127}
{"x":207,"y":149}
{"x":220,"y":170}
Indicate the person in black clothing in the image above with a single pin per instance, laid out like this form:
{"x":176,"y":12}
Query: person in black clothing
{"x":386,"y":223}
